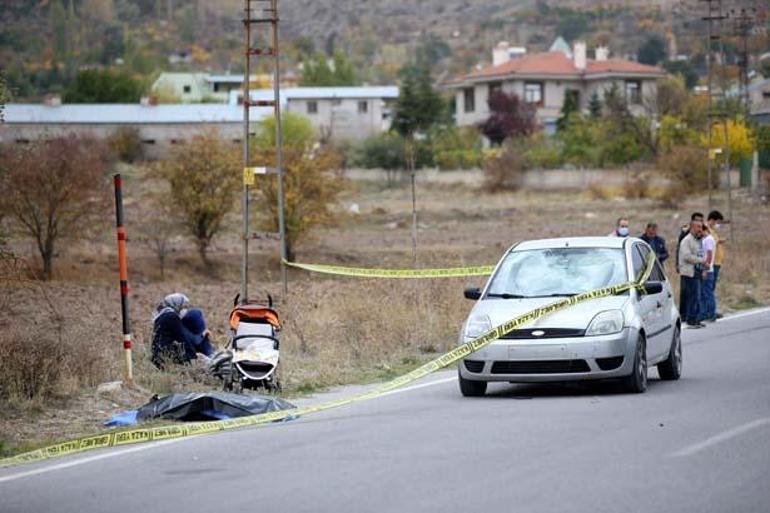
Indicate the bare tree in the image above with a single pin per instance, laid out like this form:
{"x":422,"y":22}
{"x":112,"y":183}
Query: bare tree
{"x":54,"y":189}
{"x":158,"y":229}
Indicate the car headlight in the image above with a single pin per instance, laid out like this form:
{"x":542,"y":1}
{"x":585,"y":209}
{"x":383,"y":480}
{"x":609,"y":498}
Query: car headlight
{"x":606,"y":323}
{"x":477,"y":326}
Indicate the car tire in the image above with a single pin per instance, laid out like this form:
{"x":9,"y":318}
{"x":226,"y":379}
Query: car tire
{"x":671,"y":369}
{"x":470,"y":388}
{"x":636,"y":382}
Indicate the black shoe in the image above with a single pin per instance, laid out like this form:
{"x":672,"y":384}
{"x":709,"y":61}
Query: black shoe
{"x":693,"y":325}
{"x":719,"y":316}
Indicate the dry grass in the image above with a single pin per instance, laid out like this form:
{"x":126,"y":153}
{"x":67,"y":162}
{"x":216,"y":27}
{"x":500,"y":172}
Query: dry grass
{"x":336,"y":330}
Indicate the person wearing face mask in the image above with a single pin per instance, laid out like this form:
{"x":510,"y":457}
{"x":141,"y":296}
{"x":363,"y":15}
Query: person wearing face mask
{"x":691,"y":259}
{"x":714,"y":221}
{"x":621,"y":228}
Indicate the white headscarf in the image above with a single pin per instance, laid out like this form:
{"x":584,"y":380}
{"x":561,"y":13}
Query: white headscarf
{"x":171,"y":303}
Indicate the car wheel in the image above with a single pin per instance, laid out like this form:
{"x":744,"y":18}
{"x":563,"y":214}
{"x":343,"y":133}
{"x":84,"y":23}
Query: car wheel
{"x":636,"y":382}
{"x":671,"y":369}
{"x":471,"y":388}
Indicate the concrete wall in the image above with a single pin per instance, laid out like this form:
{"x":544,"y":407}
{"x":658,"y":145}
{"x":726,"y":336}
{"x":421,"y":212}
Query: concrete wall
{"x":157,"y":139}
{"x":340,"y":119}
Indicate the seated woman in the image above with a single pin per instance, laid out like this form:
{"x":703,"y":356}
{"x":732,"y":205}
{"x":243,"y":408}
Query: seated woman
{"x":171,"y":342}
{"x":195,"y":325}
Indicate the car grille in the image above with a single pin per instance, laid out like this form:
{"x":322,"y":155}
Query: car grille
{"x":547,"y":333}
{"x":540,"y":367}
{"x":474,"y":365}
{"x":609,"y":363}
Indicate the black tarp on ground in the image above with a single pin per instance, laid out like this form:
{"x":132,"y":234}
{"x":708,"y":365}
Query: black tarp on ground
{"x":209,"y":406}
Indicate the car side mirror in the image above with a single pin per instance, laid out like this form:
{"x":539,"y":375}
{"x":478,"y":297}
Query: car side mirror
{"x":653,"y":287}
{"x":472,"y":293}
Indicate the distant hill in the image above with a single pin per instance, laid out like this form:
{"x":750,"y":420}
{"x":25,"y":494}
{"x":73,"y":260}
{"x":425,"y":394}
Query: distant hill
{"x":44,"y":42}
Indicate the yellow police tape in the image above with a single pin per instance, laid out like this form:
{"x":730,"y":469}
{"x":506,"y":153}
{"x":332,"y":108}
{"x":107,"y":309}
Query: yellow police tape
{"x":134,"y":436}
{"x":451,"y":272}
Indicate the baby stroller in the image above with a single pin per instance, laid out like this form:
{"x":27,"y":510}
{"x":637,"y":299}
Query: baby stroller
{"x":254,"y":347}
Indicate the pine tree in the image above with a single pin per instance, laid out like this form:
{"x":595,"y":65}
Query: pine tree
{"x":595,"y":106}
{"x":569,"y":106}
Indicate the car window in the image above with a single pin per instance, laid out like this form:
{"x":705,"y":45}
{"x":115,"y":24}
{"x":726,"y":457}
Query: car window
{"x":558,"y":271}
{"x":637,"y":260}
{"x":657,"y":273}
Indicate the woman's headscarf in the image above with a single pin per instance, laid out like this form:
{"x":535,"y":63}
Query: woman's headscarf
{"x":171,"y":303}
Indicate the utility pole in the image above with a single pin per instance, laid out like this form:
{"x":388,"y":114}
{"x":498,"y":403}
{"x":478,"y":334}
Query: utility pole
{"x":717,"y":108}
{"x":262,"y":13}
{"x":743,"y":20}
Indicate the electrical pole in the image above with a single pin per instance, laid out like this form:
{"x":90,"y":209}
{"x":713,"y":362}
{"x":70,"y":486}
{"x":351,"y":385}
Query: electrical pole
{"x":268,"y":15}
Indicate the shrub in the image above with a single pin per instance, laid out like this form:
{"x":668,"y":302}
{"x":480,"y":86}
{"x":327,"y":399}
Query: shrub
{"x":504,"y":170}
{"x":126,"y":144}
{"x":542,"y":152}
{"x":455,"y":148}
{"x":204,"y":176}
{"x":685,"y":168}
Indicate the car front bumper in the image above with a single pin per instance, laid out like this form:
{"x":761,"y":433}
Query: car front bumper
{"x":553,"y":359}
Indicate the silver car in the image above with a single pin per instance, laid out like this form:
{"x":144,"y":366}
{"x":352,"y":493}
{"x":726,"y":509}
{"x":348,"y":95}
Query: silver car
{"x":611,"y":337}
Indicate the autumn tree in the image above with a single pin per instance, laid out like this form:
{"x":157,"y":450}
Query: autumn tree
{"x":54,"y":190}
{"x":310,"y":185}
{"x":204,"y":176}
{"x":508,"y":117}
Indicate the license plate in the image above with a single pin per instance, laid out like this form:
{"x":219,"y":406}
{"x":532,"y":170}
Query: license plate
{"x":536,"y":352}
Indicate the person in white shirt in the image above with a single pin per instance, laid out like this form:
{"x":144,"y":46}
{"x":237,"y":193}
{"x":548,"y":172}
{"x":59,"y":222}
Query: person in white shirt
{"x":707,"y":301}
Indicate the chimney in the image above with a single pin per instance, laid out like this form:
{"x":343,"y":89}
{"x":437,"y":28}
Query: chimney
{"x":500,"y":53}
{"x":602,"y":53}
{"x":579,"y":51}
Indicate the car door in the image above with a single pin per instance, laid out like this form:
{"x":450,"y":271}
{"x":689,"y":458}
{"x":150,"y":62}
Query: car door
{"x":653,"y":305}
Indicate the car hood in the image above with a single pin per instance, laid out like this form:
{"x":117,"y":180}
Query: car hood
{"x":576,"y":316}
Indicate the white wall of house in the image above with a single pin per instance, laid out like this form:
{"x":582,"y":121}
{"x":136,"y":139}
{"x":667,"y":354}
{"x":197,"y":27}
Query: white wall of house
{"x":342,"y":118}
{"x":554,"y":91}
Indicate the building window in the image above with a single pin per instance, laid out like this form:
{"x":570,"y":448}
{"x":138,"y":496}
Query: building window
{"x":533,"y":93}
{"x":312,"y":107}
{"x":186,"y":89}
{"x":216,"y":87}
{"x":469,"y":99}
{"x":633,"y":92}
{"x":363,"y":107}
{"x":336,"y":101}
{"x":495,"y":87}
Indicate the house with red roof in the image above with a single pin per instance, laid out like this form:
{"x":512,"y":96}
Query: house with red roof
{"x":546,"y":79}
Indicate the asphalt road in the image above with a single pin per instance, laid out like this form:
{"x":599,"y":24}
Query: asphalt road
{"x":701,"y":444}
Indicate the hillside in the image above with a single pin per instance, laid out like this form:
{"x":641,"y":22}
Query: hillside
{"x":44,"y":42}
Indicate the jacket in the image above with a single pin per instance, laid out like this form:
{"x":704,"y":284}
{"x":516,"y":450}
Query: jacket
{"x":658,"y":244}
{"x":690,"y":255}
{"x":171,"y":342}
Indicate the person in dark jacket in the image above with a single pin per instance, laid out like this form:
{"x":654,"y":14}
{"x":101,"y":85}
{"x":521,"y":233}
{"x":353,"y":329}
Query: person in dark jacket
{"x":195,"y":323}
{"x":656,"y":242}
{"x":171,"y":342}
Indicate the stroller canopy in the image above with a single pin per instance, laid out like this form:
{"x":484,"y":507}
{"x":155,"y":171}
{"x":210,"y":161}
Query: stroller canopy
{"x":254,"y":314}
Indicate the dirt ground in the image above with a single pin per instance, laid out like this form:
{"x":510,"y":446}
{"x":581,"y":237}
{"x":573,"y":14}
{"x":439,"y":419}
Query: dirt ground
{"x":336,"y":330}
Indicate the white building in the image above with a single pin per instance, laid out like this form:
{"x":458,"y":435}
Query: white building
{"x":546,"y":79}
{"x":340,"y":113}
{"x":160,"y":126}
